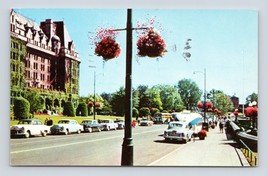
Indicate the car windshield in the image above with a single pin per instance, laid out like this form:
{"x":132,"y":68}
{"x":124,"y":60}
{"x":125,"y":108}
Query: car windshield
{"x":63,"y":122}
{"x":87,"y":121}
{"x":24,"y":122}
{"x":175,"y":125}
{"x":104,"y":121}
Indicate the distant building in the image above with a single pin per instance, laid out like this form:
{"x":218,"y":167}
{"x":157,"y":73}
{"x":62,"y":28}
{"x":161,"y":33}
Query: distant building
{"x":235,"y":101}
{"x":43,"y":57}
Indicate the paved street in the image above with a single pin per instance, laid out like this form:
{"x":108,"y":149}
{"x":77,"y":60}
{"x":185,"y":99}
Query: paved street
{"x":104,"y":149}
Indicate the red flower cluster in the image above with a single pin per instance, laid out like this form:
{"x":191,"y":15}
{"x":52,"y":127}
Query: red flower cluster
{"x":91,"y":104}
{"x":200,"y":105}
{"x":236,"y":113}
{"x":209,"y":105}
{"x":150,"y":44}
{"x":251,"y":111}
{"x":108,"y":48}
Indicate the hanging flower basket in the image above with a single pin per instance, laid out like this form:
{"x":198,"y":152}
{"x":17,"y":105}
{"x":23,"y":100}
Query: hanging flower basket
{"x":202,"y":134}
{"x":251,"y":111}
{"x":108,"y":48}
{"x":151,"y":44}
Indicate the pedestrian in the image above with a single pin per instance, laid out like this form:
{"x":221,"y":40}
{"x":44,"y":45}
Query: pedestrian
{"x":133,"y":124}
{"x":45,"y":122}
{"x":221,"y":125}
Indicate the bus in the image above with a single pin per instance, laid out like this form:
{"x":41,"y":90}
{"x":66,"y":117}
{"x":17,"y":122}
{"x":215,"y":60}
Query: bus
{"x":161,"y":118}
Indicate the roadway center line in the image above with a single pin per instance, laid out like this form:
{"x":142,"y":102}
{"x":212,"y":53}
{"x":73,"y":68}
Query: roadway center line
{"x":74,"y":143}
{"x":154,"y":162}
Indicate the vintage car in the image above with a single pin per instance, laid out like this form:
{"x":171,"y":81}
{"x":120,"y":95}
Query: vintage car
{"x":29,"y":127}
{"x":120,"y":123}
{"x":179,"y":131}
{"x":146,"y":122}
{"x":108,"y":124}
{"x":66,"y":126}
{"x":91,"y":125}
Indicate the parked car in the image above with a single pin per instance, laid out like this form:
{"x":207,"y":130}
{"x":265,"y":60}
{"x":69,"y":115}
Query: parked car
{"x":146,"y":122}
{"x":179,"y":131}
{"x":66,"y":126}
{"x":120,"y":123}
{"x":29,"y":127}
{"x":91,"y":125}
{"x":108,"y":124}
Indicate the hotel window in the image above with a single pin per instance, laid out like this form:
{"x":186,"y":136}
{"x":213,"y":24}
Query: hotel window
{"x":42,"y":67}
{"x":35,"y":66}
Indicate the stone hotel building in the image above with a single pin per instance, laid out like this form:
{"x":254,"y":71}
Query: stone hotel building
{"x":43,"y":59}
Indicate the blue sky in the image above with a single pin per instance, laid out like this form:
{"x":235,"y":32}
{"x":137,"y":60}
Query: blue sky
{"x":225,"y":42}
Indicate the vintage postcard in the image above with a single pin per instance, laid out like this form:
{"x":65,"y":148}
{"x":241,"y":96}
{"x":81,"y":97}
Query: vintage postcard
{"x":133,"y":87}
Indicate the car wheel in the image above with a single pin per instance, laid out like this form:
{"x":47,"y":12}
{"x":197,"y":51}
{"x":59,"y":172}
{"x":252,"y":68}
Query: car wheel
{"x":28,"y":134}
{"x":90,"y":130}
{"x":43,"y":134}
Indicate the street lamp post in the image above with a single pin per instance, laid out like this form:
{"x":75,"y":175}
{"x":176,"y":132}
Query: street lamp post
{"x":94,"y":90}
{"x":204,"y":104}
{"x":127,"y":145}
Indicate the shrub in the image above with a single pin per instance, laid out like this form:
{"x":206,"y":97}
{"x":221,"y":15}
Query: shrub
{"x":21,"y":108}
{"x":144,"y":112}
{"x":69,"y":109}
{"x":82,"y":108}
{"x":153,"y":111}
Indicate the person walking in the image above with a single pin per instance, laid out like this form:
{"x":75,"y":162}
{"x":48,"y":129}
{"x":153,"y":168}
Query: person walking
{"x":221,"y":125}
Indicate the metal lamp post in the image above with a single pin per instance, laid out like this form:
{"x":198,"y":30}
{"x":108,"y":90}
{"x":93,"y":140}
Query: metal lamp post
{"x":127,"y":145}
{"x":94,"y":90}
{"x":204,"y":104}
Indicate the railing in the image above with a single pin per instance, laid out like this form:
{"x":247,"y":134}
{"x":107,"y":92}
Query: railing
{"x":250,"y":155}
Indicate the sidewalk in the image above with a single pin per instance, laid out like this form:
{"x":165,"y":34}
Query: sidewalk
{"x":215,"y":150}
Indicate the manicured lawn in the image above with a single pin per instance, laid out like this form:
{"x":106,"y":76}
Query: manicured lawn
{"x":57,"y":118}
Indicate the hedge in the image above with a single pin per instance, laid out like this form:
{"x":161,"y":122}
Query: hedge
{"x":21,"y":108}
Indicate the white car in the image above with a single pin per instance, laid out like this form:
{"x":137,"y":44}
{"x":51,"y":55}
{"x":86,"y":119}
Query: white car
{"x":179,"y":131}
{"x":29,"y":127}
{"x":66,"y":126}
{"x":109,"y":124}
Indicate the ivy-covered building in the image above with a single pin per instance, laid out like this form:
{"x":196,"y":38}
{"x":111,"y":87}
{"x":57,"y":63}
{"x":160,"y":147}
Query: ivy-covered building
{"x":43,"y":59}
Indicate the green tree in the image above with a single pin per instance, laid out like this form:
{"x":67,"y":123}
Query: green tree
{"x":69,"y":109}
{"x":36,"y":101}
{"x":171,"y":99}
{"x":251,"y":98}
{"x":223,"y":103}
{"x":189,"y":92}
{"x":143,"y":96}
{"x":21,"y":108}
{"x":118,"y":101}
{"x":211,"y":96}
{"x":154,"y":99}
